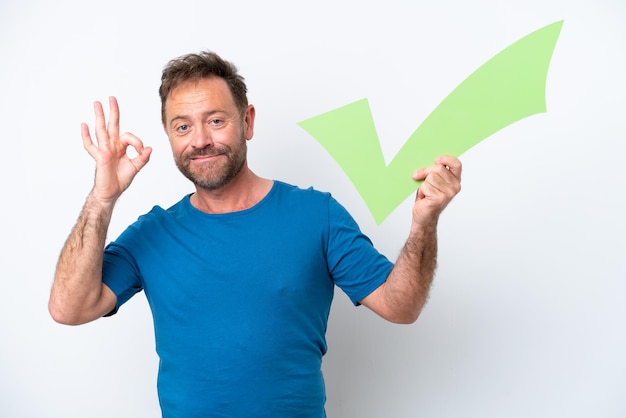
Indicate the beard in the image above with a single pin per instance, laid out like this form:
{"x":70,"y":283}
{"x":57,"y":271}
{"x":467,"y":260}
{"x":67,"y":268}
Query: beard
{"x":215,"y":174}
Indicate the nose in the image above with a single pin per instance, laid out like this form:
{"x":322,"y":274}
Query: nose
{"x":202,"y":137}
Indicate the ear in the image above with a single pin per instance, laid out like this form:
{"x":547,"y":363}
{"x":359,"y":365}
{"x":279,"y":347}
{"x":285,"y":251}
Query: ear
{"x":248,"y":122}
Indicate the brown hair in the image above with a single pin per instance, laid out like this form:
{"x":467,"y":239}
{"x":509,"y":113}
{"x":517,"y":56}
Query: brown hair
{"x":205,"y":64}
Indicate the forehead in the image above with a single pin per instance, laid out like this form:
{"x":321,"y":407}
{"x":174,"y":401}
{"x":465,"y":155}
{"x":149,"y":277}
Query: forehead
{"x":206,"y":94}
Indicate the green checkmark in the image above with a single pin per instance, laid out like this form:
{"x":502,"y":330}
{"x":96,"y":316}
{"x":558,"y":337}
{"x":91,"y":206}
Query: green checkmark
{"x":507,"y":88}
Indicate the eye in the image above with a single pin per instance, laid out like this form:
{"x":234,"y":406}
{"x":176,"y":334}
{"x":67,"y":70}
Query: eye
{"x":216,"y":122}
{"x":182,"y":128}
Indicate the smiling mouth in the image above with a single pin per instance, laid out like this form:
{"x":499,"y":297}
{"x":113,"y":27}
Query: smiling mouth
{"x":205,"y":156}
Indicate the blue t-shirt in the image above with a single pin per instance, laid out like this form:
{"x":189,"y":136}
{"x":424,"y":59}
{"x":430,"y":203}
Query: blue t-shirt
{"x":240,"y":301}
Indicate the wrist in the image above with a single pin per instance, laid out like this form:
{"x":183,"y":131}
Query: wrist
{"x":97,"y":204}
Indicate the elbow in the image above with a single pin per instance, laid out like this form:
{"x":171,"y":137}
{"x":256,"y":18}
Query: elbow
{"x":404,"y":319}
{"x":61,"y":316}
{"x":408,"y":315}
{"x":58,"y":315}
{"x":77,"y":308}
{"x":400,"y":316}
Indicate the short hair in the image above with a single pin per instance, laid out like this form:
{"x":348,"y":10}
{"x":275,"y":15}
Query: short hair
{"x":204,"y":64}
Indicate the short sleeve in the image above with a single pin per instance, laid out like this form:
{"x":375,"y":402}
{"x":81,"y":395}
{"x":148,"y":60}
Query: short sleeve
{"x":120,"y":273}
{"x":355,"y":265}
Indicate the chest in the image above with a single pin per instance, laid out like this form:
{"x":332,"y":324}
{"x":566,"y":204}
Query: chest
{"x":232,"y":271}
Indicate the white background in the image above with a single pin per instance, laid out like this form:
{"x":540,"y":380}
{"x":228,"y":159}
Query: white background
{"x":527,"y":314}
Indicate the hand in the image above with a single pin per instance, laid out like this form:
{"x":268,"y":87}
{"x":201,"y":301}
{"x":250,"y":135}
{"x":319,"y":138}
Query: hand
{"x":442,"y":181}
{"x":115,"y":170}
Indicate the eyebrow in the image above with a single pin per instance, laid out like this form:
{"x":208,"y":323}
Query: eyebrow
{"x":204,"y":115}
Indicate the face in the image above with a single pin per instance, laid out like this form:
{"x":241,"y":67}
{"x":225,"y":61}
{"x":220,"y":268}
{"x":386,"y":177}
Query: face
{"x":207,"y":132}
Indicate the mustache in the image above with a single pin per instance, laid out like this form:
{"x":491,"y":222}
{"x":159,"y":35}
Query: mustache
{"x":207,"y":151}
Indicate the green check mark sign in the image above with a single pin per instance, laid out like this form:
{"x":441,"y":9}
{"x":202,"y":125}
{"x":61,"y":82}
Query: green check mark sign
{"x":507,"y":88}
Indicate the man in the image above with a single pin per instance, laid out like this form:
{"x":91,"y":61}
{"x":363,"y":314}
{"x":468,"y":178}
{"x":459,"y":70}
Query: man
{"x":240,"y":274}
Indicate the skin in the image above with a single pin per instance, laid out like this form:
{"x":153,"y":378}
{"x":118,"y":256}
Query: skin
{"x":402,"y":296}
{"x":78,"y":294}
{"x":208,"y":136}
{"x":207,"y":132}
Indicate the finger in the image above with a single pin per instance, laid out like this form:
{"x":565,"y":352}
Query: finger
{"x":420,"y":174}
{"x":444,"y":182}
{"x":101,"y":132}
{"x":421,"y":192}
{"x":113,"y":127}
{"x":439,"y":179}
{"x":143,"y":153}
{"x":452,"y":163}
{"x":423,"y":173}
{"x":142,"y":158}
{"x":87,"y":141}
{"x":129,"y":139}
{"x":432,"y":196}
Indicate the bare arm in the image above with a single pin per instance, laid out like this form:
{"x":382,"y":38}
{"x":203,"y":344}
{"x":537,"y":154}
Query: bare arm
{"x":403,"y":295}
{"x":78,"y":294}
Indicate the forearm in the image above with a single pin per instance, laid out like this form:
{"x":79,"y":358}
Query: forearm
{"x":407,"y":287}
{"x":76,"y":295}
{"x":403,"y":295}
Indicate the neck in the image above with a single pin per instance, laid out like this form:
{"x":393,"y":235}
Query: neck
{"x":244,"y":191}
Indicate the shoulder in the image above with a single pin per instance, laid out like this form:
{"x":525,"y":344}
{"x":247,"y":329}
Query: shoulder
{"x":296,"y":192}
{"x":310,"y":201}
{"x":158,"y":217}
{"x":290,"y":196}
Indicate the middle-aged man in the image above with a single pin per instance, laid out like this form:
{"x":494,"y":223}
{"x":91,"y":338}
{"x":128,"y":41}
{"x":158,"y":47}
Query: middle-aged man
{"x":240,"y":274}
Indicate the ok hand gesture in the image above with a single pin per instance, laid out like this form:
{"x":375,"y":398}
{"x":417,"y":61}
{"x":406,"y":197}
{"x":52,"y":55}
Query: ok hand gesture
{"x":115,"y":170}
